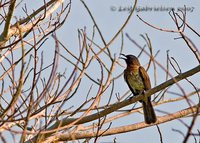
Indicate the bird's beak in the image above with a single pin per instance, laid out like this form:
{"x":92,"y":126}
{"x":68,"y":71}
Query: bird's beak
{"x":124,"y":56}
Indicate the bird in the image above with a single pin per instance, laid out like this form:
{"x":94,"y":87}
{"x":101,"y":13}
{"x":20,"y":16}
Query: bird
{"x":138,"y":82}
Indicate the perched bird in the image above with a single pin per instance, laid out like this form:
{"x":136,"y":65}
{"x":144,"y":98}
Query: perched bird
{"x":138,"y":81}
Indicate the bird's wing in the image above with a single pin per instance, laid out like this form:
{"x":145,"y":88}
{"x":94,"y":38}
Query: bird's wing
{"x":145,"y":78}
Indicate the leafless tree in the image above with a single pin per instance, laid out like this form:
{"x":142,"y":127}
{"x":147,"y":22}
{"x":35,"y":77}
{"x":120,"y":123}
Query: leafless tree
{"x":42,"y":103}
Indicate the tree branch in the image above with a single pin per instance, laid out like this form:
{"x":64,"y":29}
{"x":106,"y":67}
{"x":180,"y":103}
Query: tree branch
{"x":117,"y":106}
{"x":127,"y":128}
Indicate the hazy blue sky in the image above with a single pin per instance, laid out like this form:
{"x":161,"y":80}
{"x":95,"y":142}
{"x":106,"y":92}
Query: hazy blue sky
{"x":110,"y":15}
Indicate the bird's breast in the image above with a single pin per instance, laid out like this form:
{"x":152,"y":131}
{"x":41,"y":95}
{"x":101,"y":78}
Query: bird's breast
{"x":134,"y":80}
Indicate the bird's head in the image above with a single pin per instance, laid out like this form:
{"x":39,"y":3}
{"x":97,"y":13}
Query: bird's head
{"x":131,"y":60}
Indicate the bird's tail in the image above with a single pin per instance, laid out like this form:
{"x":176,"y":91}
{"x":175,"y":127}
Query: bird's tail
{"x":149,"y":114}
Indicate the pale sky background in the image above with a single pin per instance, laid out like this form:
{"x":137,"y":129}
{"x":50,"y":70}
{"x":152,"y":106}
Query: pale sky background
{"x":109,"y":20}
